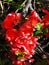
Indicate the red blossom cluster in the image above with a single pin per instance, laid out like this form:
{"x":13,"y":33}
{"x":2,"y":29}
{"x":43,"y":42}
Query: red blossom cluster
{"x":22,"y":42}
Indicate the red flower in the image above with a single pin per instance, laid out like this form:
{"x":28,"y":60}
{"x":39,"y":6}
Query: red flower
{"x":46,"y":20}
{"x":21,"y":40}
{"x":11,"y":20}
{"x":34,"y":18}
{"x":11,"y":34}
{"x":45,"y":11}
{"x":27,"y":45}
{"x":18,"y":62}
{"x":45,"y":17}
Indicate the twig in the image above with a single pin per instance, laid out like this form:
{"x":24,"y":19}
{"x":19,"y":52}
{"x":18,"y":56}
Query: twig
{"x":21,"y":5}
{"x":7,"y":8}
{"x":34,"y":4}
{"x":28,"y":5}
{"x":45,"y":45}
{"x":1,"y":6}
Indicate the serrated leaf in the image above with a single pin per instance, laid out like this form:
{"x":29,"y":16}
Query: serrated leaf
{"x":39,"y":26}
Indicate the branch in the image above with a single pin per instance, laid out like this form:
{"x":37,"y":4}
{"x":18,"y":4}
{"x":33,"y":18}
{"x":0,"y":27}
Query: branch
{"x":28,"y":5}
{"x":34,"y":4}
{"x":46,"y":45}
{"x":1,"y":6}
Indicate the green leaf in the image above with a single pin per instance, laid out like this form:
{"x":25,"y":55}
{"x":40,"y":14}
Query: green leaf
{"x":20,"y":7}
{"x":39,"y":26}
{"x":14,"y":4}
{"x":39,"y":32}
{"x":9,"y":0}
{"x":45,"y":30}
